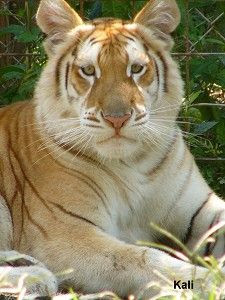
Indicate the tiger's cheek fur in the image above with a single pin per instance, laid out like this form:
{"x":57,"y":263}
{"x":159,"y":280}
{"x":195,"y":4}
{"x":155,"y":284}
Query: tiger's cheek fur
{"x":80,"y":84}
{"x":146,"y":79}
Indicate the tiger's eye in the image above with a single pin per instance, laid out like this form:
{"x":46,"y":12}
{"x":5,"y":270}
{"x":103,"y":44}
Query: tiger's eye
{"x":136,"y":68}
{"x":88,"y":70}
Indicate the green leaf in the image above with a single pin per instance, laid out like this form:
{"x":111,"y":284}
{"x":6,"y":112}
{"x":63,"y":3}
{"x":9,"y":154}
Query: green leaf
{"x":21,"y":33}
{"x":116,"y":8}
{"x":215,"y":41}
{"x":26,"y":37}
{"x":220,"y":132}
{"x":29,"y":35}
{"x":221,"y":78}
{"x":194,"y":114}
{"x":12,"y":68}
{"x":138,"y":5}
{"x":12,"y":75}
{"x":15,"y":29}
{"x":194,"y":96}
{"x":204,"y":127}
{"x":201,"y":3}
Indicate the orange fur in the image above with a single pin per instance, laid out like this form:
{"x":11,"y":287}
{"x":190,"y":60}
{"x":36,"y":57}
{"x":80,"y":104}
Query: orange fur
{"x":84,"y":166}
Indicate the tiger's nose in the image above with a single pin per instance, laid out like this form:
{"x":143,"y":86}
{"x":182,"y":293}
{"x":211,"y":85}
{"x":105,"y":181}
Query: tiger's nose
{"x":117,"y":122}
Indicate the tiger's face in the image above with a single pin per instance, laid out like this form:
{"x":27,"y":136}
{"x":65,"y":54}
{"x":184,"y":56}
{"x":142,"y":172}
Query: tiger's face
{"x":110,"y":75}
{"x":111,"y":83}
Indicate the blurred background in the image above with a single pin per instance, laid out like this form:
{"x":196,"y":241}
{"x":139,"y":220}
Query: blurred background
{"x":199,"y":49}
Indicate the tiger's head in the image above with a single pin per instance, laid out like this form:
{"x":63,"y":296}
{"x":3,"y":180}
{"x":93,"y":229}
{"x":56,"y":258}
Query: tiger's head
{"x":110,"y":86}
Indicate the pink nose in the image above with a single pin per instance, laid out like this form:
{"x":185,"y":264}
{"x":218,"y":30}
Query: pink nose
{"x":117,"y":122}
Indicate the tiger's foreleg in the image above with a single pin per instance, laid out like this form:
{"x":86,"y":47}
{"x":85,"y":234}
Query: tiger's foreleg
{"x":208,"y":218}
{"x":102,"y":262}
{"x":16,"y":268}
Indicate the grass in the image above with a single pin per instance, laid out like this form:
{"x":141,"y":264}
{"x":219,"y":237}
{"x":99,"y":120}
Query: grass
{"x":165,"y":292}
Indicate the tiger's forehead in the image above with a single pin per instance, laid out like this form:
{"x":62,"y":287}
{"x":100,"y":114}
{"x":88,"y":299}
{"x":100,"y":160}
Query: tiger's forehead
{"x":108,"y":30}
{"x":102,"y":23}
{"x":110,"y":38}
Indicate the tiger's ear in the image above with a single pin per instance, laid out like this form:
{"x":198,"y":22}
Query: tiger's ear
{"x":55,"y":18}
{"x":163,"y":16}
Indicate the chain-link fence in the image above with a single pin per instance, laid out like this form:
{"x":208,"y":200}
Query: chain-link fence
{"x":199,"y":47}
{"x":13,"y":51}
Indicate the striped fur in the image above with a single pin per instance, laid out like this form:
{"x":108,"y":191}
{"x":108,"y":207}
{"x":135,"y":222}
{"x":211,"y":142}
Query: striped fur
{"x":78,"y":193}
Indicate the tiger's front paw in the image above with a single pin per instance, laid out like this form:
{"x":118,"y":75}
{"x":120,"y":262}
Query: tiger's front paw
{"x":16,"y":259}
{"x":33,"y":280}
{"x":22,"y":272}
{"x":216,"y":246}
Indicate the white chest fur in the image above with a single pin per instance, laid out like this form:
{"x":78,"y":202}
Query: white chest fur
{"x":134,"y":203}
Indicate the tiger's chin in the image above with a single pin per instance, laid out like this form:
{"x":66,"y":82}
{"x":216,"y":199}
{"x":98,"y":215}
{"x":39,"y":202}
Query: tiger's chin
{"x":117,"y":148}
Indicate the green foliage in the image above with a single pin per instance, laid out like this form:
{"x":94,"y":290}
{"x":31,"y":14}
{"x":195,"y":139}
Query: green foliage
{"x":205,"y":74}
{"x":206,"y":130}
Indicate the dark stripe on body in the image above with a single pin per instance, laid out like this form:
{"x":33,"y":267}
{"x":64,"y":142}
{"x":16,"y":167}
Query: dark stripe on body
{"x":29,"y":182}
{"x":92,"y":118}
{"x":30,"y":218}
{"x":190,"y":227}
{"x":67,"y":75}
{"x":211,"y":245}
{"x":208,"y":248}
{"x":23,"y":203}
{"x":178,"y":196}
{"x":59,"y":63}
{"x":140,"y":116}
{"x":93,"y":185}
{"x":93,"y":126}
{"x":157,"y":72}
{"x":57,"y":75}
{"x":160,"y":164}
{"x":158,"y":78}
{"x":162,"y":58}
{"x":95,"y":189}
{"x":60,"y":207}
{"x":156,"y":69}
{"x":19,"y":189}
{"x":148,"y":47}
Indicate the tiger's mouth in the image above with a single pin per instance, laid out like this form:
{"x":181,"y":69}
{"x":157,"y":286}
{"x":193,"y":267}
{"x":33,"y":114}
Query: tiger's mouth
{"x":117,"y":138}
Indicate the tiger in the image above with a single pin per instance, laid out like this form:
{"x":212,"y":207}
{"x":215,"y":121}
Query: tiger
{"x":97,"y":155}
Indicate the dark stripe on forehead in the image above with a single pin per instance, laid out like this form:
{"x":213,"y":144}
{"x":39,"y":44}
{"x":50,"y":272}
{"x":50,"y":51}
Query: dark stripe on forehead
{"x":83,"y":40}
{"x":129,"y":34}
{"x":97,"y":41}
{"x":128,"y":37}
{"x":103,"y":22}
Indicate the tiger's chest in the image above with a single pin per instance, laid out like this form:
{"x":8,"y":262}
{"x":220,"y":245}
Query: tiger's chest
{"x":135,"y":202}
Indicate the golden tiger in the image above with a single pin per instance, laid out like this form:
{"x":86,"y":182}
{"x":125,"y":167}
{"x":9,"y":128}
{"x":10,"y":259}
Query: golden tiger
{"x":97,"y":155}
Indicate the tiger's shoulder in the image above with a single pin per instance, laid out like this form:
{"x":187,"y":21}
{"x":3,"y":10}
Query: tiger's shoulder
{"x":11,"y":111}
{"x":14,"y":119}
